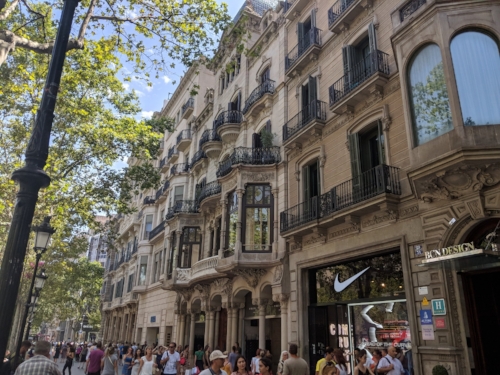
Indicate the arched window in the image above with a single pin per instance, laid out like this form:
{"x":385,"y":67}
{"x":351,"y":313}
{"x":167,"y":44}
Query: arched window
{"x":476,"y":61}
{"x":428,"y":95}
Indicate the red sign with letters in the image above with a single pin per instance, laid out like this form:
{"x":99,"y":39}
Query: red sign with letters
{"x":440,"y":322}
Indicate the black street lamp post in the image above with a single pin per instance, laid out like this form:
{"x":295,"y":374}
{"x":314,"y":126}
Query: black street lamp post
{"x":39,"y":283}
{"x":31,"y":178}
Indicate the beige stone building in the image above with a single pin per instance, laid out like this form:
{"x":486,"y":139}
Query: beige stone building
{"x":335,"y":185}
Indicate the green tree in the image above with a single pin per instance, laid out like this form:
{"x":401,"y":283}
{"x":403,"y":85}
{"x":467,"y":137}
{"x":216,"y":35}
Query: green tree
{"x":176,"y":30}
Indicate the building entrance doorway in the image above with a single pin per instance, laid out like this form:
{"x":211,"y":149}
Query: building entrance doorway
{"x":483,"y":312}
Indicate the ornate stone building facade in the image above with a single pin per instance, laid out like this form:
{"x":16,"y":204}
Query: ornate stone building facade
{"x":323,"y":187}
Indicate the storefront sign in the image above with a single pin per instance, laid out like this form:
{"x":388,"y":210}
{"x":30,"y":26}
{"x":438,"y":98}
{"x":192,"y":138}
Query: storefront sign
{"x":438,"y":307}
{"x":428,"y":332}
{"x":440,"y":323}
{"x":450,"y":252}
{"x":426,"y":317}
{"x":423,"y":290}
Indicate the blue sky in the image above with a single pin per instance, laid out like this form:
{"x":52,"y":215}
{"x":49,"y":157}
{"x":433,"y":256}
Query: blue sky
{"x":152,"y":97}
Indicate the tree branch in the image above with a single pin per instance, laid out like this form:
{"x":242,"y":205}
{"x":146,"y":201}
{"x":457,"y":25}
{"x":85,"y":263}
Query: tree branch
{"x":6,"y":12}
{"x":85,"y":23}
{"x":43,"y":48}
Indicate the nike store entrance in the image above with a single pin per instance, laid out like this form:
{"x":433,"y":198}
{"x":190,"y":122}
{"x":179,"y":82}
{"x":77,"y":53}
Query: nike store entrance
{"x":358,"y":304}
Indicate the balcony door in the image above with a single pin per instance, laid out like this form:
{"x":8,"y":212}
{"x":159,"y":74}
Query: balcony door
{"x":235,"y":105}
{"x":360,"y":60}
{"x":305,"y":33}
{"x":190,"y":247}
{"x":309,"y":96}
{"x":311,"y":188}
{"x":367,"y":151}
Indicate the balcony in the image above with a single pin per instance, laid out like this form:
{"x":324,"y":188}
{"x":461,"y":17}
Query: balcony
{"x":227,"y":125}
{"x":173,"y":155}
{"x":294,"y":7}
{"x":259,"y":97}
{"x":187,"y":108}
{"x":250,"y":156}
{"x":179,"y":168}
{"x":383,"y":179}
{"x":157,"y":230}
{"x":182,"y":207}
{"x":211,"y":143}
{"x":148,"y":200}
{"x":343,"y":13}
{"x":306,"y":124}
{"x":365,"y":78}
{"x":184,"y":140}
{"x":198,"y":161}
{"x":163,"y":165}
{"x":306,"y":50}
{"x":160,"y":196}
{"x":212,"y":189}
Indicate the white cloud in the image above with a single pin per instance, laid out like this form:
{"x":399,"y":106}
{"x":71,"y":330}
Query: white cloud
{"x":147,"y":114}
{"x":126,"y":86}
{"x":166,"y":79}
{"x":149,"y":88}
{"x":131,"y":14}
{"x":139,"y":93}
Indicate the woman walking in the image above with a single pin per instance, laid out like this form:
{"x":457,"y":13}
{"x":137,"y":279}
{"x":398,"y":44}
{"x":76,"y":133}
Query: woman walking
{"x":136,"y":362}
{"x":127,"y":362}
{"x":360,"y":368}
{"x":242,"y":367}
{"x":184,"y":361}
{"x":57,"y":353}
{"x":109,"y":363}
{"x":206,"y":357}
{"x":265,"y":366}
{"x":64,"y":352}
{"x":199,"y":358}
{"x":283,"y":358}
{"x":147,"y":362}
{"x":69,"y":360}
{"x":83,"y":356}
{"x":341,"y":364}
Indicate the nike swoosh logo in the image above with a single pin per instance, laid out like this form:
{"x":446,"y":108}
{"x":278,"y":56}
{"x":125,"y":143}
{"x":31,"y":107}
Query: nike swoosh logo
{"x":340,"y":286}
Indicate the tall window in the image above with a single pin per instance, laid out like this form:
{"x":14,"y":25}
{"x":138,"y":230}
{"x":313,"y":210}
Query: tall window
{"x":170,"y":264}
{"x":190,"y":245}
{"x":178,"y":193}
{"x":428,"y":95}
{"x":148,"y":226}
{"x":258,"y":218}
{"x":476,"y":61}
{"x":156,"y":267}
{"x":130,"y":284}
{"x":143,"y":267}
{"x":232,"y":221}
{"x":310,"y":181}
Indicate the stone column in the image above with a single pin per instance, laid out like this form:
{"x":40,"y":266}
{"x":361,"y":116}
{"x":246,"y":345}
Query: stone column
{"x":217,"y":327}
{"x":262,"y":324}
{"x":229,"y":325}
{"x":223,"y":203}
{"x":239,"y":246}
{"x":178,"y":235}
{"x":241,"y":323}
{"x":283,"y":299}
{"x":205,"y":334}
{"x":177,"y":323}
{"x":275,"y":222}
{"x":211,"y":328}
{"x":214,"y":250}
{"x":187,"y":325}
{"x":234,"y":329}
{"x":181,"y":329}
{"x":191,"y":335}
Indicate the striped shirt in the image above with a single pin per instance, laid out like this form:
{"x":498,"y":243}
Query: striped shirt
{"x":38,"y":365}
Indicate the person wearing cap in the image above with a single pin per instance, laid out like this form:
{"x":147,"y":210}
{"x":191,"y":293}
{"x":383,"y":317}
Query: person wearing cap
{"x":216,"y":364}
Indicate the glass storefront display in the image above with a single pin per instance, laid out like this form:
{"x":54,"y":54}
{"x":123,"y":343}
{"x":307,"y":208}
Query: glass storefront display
{"x":358,"y":304}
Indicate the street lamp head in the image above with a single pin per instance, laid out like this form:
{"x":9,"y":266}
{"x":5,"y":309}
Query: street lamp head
{"x":40,"y":280}
{"x":42,"y":235}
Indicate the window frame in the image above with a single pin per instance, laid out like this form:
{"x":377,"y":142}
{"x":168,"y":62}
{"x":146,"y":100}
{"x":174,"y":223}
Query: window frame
{"x":269,"y":206}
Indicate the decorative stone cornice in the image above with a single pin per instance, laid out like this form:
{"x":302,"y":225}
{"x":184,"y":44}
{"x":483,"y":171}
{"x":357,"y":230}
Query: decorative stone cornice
{"x":251,"y":275}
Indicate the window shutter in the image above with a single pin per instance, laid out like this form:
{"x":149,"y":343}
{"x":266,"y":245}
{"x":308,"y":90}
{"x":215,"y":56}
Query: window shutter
{"x":238,"y":105}
{"x":256,"y":143}
{"x":348,"y":58}
{"x":354,"y":154}
{"x":312,"y":90}
{"x":372,"y":40}
{"x":313,"y":18}
{"x":381,"y":143}
{"x":300,"y":35}
{"x":305,"y":182}
{"x":268,"y":126}
{"x":230,"y":106}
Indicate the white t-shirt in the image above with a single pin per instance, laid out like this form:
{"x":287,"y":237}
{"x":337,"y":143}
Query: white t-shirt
{"x":387,"y":361}
{"x":343,"y":370}
{"x":255,"y":362}
{"x":171,"y":364}
{"x":208,"y":372}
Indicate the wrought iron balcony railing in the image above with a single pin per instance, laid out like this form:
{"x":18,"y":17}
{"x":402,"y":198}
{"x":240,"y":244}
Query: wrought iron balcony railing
{"x":378,"y":180}
{"x":316,"y":110}
{"x":312,"y":37}
{"x":149,"y":200}
{"x":187,"y":105}
{"x":184,"y":206}
{"x":288,"y":4}
{"x":375,"y":62}
{"x":337,"y":10}
{"x":179,"y":168}
{"x":172,"y":151}
{"x":209,"y":135}
{"x":200,"y":154}
{"x":185,"y":134}
{"x":157,"y":230}
{"x":248,"y":155}
{"x":163,"y":162}
{"x":266,"y":87}
{"x":209,"y":190}
{"x":228,"y":117}
{"x":408,"y":9}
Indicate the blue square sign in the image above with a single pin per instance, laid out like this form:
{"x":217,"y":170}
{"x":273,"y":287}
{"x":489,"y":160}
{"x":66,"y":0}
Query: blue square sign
{"x":426,"y":317}
{"x":438,"y":307}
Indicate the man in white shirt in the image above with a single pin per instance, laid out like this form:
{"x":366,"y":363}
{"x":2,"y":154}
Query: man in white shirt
{"x":389,"y":364}
{"x":171,"y":360}
{"x":216,"y":363}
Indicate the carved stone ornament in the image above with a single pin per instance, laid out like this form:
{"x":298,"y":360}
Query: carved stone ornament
{"x":219,"y":285}
{"x":457,"y":182}
{"x":295,"y":243}
{"x":257,"y":176}
{"x":186,"y":294}
{"x":204,"y":290}
{"x":183,"y":274}
{"x":252,"y":275}
{"x":278,"y":274}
